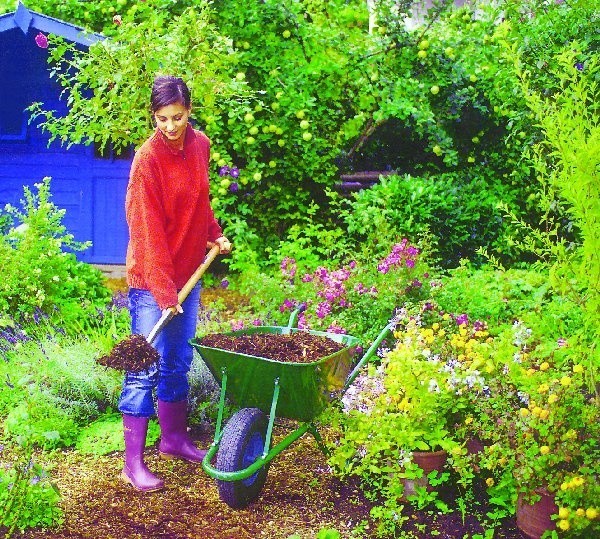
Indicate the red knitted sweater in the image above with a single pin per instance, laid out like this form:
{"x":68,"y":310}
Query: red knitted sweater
{"x":169,"y":215}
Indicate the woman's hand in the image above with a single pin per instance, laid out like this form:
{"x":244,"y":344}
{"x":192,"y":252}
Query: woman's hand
{"x":175,"y":309}
{"x":224,"y":245}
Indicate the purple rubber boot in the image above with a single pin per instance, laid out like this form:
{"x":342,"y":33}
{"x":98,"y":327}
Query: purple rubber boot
{"x":135,"y":471}
{"x":175,"y":442}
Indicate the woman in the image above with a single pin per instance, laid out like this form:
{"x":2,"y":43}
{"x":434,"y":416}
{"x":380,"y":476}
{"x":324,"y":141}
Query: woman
{"x":170,"y":222}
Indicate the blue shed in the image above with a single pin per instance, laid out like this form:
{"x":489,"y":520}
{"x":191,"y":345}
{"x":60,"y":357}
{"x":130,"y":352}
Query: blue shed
{"x":89,"y":186}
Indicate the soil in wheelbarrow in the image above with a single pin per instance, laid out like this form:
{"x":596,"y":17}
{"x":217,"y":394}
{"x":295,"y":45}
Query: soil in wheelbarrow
{"x":296,"y":347}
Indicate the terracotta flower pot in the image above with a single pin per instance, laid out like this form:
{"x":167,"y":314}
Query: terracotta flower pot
{"x":533,"y":519}
{"x":427,"y":461}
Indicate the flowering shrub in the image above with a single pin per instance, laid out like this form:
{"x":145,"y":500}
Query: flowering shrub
{"x":413,"y":399}
{"x":355,"y":299}
{"x":540,"y":423}
{"x":40,"y":275}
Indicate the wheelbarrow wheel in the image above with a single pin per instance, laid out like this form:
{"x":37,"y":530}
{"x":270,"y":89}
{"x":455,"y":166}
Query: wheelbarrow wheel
{"x":243,"y":442}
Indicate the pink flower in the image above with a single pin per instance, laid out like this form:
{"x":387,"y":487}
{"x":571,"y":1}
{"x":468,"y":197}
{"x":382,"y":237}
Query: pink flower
{"x":41,"y":41}
{"x":117,"y":20}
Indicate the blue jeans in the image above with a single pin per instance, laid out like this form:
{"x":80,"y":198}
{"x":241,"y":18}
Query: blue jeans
{"x":170,"y":377}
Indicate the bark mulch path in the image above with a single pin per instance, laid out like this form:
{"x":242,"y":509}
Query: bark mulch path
{"x":300,"y":497}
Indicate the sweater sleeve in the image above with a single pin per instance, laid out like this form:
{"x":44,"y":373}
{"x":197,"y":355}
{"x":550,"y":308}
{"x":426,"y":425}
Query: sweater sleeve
{"x":148,"y":239}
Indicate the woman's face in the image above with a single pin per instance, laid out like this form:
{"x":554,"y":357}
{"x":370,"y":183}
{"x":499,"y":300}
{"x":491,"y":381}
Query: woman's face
{"x":172,"y":121}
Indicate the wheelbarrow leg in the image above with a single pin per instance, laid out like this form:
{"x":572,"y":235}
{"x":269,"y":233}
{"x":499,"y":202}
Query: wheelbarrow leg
{"x":312,"y":428}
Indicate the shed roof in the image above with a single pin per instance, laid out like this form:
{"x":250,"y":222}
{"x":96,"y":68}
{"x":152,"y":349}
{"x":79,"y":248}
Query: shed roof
{"x":25,"y":19}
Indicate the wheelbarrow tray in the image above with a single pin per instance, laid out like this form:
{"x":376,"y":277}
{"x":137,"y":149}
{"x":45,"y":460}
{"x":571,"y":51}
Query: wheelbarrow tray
{"x":305,"y":388}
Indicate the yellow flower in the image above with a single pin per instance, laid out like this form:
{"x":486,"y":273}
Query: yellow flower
{"x":578,"y":368}
{"x":552,"y":398}
{"x":563,"y":525}
{"x":580,"y":512}
{"x":544,"y":414}
{"x":468,"y":420}
{"x":530,"y":371}
{"x":536,"y":411}
{"x":565,"y":381}
{"x":524,"y":412}
{"x":489,"y":481}
{"x":544,"y":450}
{"x":544,"y":366}
{"x":563,"y":512}
{"x":543,"y":388}
{"x":591,"y":513}
{"x":435,"y":326}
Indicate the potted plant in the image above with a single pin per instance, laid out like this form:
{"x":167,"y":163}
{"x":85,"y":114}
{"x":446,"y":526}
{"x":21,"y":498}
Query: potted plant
{"x":541,"y":421}
{"x":407,"y":405}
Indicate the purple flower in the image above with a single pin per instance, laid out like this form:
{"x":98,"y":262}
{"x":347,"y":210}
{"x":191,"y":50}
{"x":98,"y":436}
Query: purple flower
{"x":234,"y":172}
{"x":579,"y":66}
{"x":237,"y":325}
{"x":257,"y":322}
{"x":323,"y":309}
{"x":223,"y":171}
{"x":234,"y":187}
{"x":224,"y":283}
{"x":334,"y":328}
{"x":561,"y":342}
{"x":462,"y":319}
{"x":41,"y":41}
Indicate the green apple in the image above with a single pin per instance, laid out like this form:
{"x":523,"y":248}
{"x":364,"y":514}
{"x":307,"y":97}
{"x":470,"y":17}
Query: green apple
{"x":215,"y":156}
{"x":257,"y":176}
{"x":225,"y":182}
{"x":281,"y":143}
{"x":272,"y":163}
{"x":304,"y":124}
{"x":306,"y":135}
{"x":222,"y":191}
{"x":286,"y":34}
{"x":253,"y":130}
{"x":300,"y":114}
{"x":422,"y":54}
{"x":250,"y":140}
{"x":240,"y":76}
{"x":435,"y":89}
{"x":249,"y":117}
{"x":424,"y":44}
{"x":221,"y":162}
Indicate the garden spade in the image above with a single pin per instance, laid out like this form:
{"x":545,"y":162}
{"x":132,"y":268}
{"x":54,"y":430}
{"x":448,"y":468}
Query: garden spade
{"x":135,"y":353}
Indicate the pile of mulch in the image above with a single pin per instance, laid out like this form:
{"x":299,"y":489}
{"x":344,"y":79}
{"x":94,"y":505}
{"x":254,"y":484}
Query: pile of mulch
{"x":296,"y":347}
{"x":132,"y":354}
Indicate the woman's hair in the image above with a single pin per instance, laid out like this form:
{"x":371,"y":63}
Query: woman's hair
{"x":167,"y":90}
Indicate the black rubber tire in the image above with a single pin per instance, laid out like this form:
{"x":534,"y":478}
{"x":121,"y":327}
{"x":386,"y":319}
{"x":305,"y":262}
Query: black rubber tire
{"x":242,"y":442}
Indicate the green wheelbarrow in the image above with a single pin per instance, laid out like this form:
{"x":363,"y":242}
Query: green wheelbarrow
{"x":264,"y":389}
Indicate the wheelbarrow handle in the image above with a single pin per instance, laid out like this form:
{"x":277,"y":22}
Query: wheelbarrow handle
{"x":368,"y":354}
{"x":294,"y":316}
